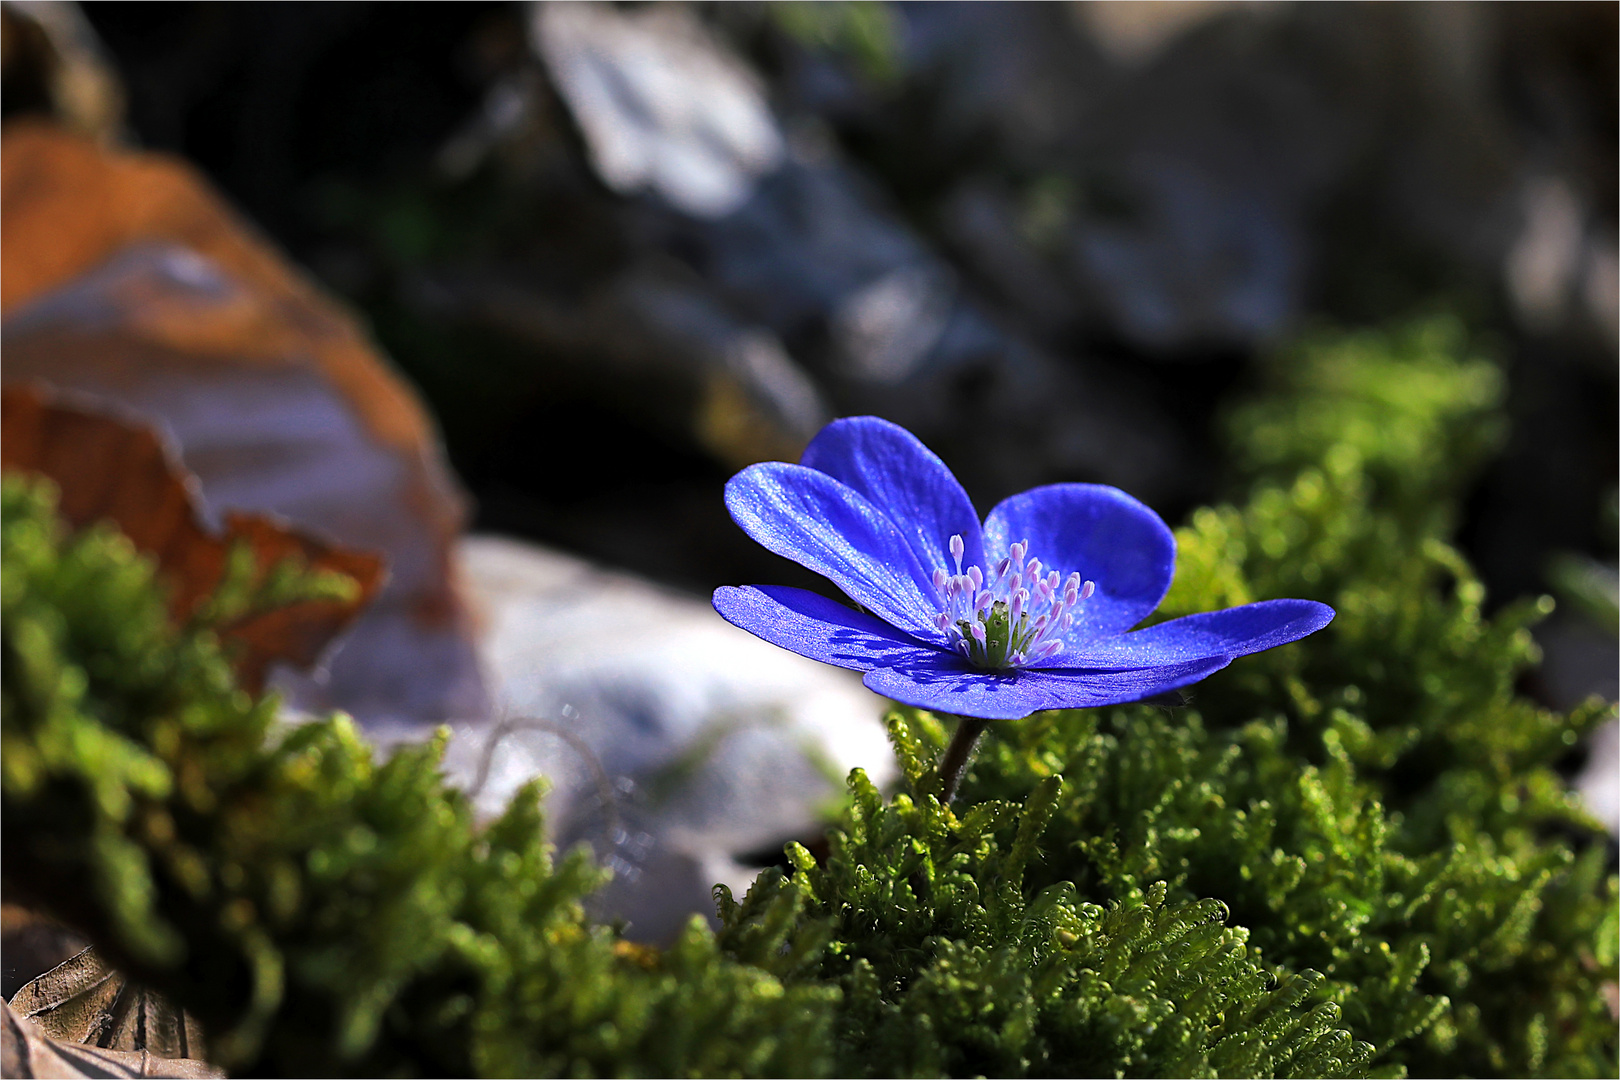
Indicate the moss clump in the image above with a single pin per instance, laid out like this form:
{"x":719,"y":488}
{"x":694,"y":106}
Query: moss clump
{"x":950,"y":964}
{"x":322,"y":914}
{"x":1349,"y":856}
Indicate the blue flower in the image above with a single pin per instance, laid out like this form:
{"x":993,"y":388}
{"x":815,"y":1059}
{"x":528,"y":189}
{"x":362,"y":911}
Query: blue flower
{"x":1031,"y":610}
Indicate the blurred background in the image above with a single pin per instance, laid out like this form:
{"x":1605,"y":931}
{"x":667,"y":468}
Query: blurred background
{"x":621,"y":251}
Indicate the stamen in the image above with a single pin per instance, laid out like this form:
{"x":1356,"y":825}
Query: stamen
{"x":1017,"y":616}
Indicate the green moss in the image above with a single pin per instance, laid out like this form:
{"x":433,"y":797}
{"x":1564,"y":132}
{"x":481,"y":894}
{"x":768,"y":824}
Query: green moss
{"x":951,"y":963}
{"x":1347,"y":856}
{"x":1374,"y":803}
{"x":321,"y":913}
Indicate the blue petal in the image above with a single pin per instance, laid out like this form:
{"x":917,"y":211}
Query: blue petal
{"x":942,"y":683}
{"x":904,"y":479}
{"x":1101,"y":532}
{"x":834,"y":530}
{"x":814,"y":626}
{"x":1233,"y":632}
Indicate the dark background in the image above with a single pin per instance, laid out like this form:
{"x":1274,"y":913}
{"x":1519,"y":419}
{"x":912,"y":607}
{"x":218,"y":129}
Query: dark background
{"x":1131,"y":213}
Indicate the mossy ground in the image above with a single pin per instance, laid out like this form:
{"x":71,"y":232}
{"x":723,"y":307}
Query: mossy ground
{"x":1348,"y":856}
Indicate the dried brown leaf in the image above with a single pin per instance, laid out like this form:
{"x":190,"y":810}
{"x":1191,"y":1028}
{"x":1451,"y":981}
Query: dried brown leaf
{"x":68,"y":204}
{"x":126,"y":277}
{"x":83,"y":1000}
{"x":114,"y":469}
{"x":26,"y":1051}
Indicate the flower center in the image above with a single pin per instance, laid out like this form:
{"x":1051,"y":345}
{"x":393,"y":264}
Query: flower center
{"x":1014,"y":617}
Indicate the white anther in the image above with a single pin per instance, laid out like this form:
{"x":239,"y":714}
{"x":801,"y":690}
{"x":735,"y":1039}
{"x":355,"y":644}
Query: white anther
{"x":1090,"y":587}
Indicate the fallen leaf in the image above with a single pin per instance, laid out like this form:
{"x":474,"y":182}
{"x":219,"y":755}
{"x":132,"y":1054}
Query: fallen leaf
{"x":124,"y":276}
{"x":67,"y":205}
{"x":116,"y":469}
{"x":26,"y":1051}
{"x":83,"y":1000}
{"x":31,"y":943}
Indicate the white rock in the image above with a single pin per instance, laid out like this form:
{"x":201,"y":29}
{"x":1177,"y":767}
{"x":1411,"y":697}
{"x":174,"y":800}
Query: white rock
{"x":673,"y":741}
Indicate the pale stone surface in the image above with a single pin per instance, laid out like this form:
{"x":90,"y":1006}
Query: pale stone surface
{"x":673,"y":741}
{"x":1599,"y":782}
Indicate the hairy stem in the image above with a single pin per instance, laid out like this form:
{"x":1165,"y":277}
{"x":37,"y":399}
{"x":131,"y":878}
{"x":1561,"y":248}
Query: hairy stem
{"x":954,"y":763}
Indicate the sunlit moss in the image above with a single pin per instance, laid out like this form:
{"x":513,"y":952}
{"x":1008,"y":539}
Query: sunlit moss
{"x":1348,"y":855}
{"x":321,"y":912}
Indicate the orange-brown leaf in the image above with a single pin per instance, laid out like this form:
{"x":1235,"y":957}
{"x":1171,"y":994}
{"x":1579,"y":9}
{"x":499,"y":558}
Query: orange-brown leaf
{"x":115,"y":469}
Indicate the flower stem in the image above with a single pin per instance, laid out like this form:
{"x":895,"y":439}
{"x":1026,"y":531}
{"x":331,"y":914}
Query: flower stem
{"x":954,"y":763}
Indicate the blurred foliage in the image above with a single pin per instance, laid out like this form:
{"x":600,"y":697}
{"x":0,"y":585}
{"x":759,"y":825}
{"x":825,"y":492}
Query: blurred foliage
{"x":1420,"y":419}
{"x":1352,"y":856}
{"x":1589,"y":586}
{"x":863,"y":30}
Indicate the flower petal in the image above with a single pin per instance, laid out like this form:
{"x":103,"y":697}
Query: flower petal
{"x":834,"y":530}
{"x":814,"y":626}
{"x":1101,"y":532}
{"x":1233,"y":632}
{"x":905,"y":480}
{"x":943,"y":683}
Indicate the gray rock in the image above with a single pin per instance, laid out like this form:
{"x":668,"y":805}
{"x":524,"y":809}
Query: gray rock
{"x":662,"y":104}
